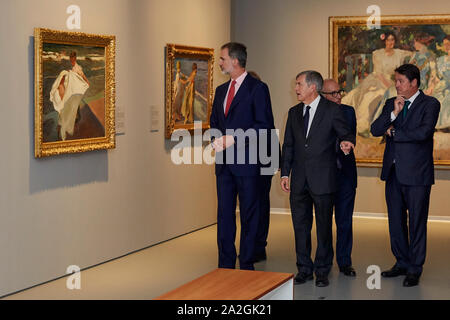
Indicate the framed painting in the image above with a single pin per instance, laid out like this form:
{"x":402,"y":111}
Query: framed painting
{"x":189,"y":81}
{"x":363,"y":59}
{"x":74,"y":92}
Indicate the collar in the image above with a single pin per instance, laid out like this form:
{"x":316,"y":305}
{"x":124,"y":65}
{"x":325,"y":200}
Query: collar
{"x":315,"y":103}
{"x":240,"y":79}
{"x":413,"y":97}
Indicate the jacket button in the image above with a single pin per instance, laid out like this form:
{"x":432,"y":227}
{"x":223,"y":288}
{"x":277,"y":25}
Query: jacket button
{"x":306,"y":146}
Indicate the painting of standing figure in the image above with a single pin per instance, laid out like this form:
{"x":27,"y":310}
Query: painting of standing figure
{"x":363,"y":59}
{"x":188,"y":87}
{"x":69,"y":97}
{"x":74,"y":106}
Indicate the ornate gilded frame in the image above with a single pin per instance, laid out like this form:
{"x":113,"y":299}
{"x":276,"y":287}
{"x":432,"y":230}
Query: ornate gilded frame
{"x":399,"y":21}
{"x":43,"y":36}
{"x":174,"y":52}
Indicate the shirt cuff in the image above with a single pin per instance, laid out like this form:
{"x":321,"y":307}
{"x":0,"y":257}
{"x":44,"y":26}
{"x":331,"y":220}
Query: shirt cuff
{"x":393,"y":117}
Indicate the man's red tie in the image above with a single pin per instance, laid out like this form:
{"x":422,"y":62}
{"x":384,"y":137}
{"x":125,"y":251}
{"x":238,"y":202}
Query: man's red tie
{"x":230,"y":97}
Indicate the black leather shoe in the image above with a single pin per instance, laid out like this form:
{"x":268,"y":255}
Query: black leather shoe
{"x":348,"y":271}
{"x":302,"y":277}
{"x":394,"y":272}
{"x":411,"y":280}
{"x":322,"y":281}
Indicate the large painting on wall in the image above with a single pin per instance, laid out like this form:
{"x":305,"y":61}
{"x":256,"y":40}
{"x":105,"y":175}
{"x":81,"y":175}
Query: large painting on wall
{"x":363,"y":59}
{"x":74,"y":92}
{"x":189,"y":80}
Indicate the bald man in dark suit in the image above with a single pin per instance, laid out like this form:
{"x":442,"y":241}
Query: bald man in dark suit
{"x":344,"y":201}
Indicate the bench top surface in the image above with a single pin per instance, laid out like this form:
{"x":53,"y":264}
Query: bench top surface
{"x":229,"y":284}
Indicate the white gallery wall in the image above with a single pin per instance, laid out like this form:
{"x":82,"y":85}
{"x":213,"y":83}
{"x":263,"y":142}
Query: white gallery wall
{"x":85,"y":209}
{"x":288,"y":36}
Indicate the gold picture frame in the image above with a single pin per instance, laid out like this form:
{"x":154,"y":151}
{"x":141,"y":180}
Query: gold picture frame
{"x":356,"y":61}
{"x":74,"y":92}
{"x":189,"y":87}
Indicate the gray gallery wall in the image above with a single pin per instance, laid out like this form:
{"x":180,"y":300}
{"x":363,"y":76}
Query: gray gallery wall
{"x":287,"y":36}
{"x":84,"y":209}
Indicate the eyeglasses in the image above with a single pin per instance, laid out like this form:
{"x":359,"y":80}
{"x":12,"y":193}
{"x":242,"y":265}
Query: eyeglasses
{"x":335,"y":94}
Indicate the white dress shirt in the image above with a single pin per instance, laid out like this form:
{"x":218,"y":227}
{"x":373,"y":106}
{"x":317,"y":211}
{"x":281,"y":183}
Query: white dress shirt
{"x":413,"y":97}
{"x":312,"y":111}
{"x":239,"y":81}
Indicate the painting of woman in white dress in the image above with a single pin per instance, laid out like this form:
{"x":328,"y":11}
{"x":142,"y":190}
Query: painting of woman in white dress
{"x":74,"y":100}
{"x":423,"y":58}
{"x":184,"y":95}
{"x":363,"y":59}
{"x":439,"y":86}
{"x":66,"y":94}
{"x":178,"y":91}
{"x":74,"y":92}
{"x":190,"y":88}
{"x":367,"y":96}
{"x":187,"y":107}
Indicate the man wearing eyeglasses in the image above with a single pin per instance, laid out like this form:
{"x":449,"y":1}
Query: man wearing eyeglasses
{"x":346,"y":185}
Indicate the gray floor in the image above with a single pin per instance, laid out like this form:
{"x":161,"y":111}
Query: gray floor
{"x":161,"y":268}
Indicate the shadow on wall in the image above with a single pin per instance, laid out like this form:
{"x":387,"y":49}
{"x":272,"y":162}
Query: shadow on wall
{"x":67,"y":170}
{"x":63,"y":170}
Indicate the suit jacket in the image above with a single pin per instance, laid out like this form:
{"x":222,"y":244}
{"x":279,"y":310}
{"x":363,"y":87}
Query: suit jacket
{"x":313,"y":159}
{"x":412,"y":144}
{"x":250,"y":109}
{"x":348,"y":162}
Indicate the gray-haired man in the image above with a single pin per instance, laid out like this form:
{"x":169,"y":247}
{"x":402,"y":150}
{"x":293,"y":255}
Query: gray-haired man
{"x":309,"y":154}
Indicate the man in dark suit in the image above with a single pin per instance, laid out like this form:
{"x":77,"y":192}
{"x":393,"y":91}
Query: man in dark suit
{"x":241,"y":112}
{"x":309,"y":154}
{"x":344,"y":201}
{"x":265,"y":184}
{"x":408,"y":121}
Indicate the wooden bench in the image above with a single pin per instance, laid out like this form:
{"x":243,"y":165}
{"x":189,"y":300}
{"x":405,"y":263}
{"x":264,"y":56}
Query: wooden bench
{"x":231,"y":284}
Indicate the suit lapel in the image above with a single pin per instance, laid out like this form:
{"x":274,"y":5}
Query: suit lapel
{"x":221,"y":98}
{"x":416,"y":102}
{"x":240,"y":94}
{"x":413,"y":107}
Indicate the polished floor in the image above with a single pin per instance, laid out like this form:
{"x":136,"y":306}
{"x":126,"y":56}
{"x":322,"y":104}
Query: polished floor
{"x":153,"y":271}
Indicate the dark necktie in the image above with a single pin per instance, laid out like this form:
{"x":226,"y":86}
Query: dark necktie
{"x":230,"y":97}
{"x":405,"y":108}
{"x":306,"y":121}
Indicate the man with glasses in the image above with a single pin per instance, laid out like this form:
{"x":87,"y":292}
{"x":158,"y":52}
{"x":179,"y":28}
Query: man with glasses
{"x":346,"y":185}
